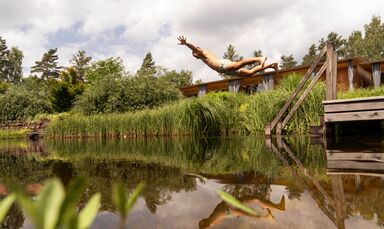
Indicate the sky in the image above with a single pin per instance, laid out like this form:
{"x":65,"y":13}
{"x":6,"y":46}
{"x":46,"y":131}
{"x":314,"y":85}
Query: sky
{"x":131,"y":28}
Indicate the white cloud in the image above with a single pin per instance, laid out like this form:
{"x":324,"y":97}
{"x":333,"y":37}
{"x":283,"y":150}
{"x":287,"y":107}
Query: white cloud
{"x":131,"y":28}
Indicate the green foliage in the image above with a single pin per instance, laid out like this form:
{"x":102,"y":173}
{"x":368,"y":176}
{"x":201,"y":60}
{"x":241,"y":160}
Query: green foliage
{"x":3,"y":87}
{"x":148,"y":67}
{"x":287,"y":62}
{"x":103,"y":68}
{"x":5,"y":205}
{"x":232,"y":55}
{"x":10,"y":63}
{"x":310,"y":56}
{"x":14,"y":134}
{"x":62,"y":94}
{"x":124,"y":203}
{"x":48,"y":65}
{"x":54,"y":207}
{"x":178,"y":79}
{"x":19,"y":103}
{"x":371,"y":44}
{"x":214,"y":114}
{"x":337,"y":41}
{"x":80,"y":63}
{"x":237,"y":204}
{"x":113,"y":94}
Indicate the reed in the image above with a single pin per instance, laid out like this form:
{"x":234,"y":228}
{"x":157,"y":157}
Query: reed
{"x":14,"y":134}
{"x":216,"y":114}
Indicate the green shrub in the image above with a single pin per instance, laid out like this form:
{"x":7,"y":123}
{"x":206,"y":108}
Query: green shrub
{"x":20,"y":104}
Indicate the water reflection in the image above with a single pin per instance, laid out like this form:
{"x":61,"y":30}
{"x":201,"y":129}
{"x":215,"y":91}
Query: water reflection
{"x":295,"y":180}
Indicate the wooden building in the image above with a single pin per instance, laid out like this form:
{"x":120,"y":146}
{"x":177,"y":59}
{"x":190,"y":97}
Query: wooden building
{"x":351,"y":73}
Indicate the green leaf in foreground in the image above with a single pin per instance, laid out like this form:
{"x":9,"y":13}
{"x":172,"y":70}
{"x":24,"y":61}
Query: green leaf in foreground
{"x":122,"y":202}
{"x":237,"y":204}
{"x":88,"y":214}
{"x":5,"y":205}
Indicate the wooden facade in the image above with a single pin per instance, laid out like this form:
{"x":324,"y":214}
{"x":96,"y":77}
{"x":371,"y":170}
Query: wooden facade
{"x":351,"y":73}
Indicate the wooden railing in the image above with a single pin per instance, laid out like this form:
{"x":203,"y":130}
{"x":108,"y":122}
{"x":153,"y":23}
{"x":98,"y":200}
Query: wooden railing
{"x":330,"y":66}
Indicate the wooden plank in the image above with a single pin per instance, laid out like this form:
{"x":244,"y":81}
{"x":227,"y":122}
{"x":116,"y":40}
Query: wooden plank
{"x":354,"y":116}
{"x":355,"y":165}
{"x":349,"y":107}
{"x":304,"y":95}
{"x":372,"y":98}
{"x":378,"y":157}
{"x":298,"y":88}
{"x":352,"y":172}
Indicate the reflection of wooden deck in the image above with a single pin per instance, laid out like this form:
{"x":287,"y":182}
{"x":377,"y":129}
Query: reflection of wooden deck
{"x":360,"y":109}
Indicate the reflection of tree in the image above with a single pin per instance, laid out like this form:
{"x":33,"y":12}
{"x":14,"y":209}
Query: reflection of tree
{"x":14,"y":219}
{"x":294,"y":191}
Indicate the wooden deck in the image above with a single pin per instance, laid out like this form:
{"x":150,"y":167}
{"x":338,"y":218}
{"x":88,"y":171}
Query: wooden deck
{"x":359,"y":109}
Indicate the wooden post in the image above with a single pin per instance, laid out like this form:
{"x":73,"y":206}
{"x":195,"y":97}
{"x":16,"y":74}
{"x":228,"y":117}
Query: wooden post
{"x":234,"y":86}
{"x":202,"y":90}
{"x":339,"y":200}
{"x":376,"y":74}
{"x":350,"y":75}
{"x":331,"y":72}
{"x":268,"y":81}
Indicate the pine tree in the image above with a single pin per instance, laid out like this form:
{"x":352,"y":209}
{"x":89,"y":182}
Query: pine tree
{"x":148,"y":67}
{"x":80,"y":62}
{"x":310,"y":56}
{"x":232,"y":55}
{"x":257,"y":53}
{"x":337,"y":41}
{"x":15,"y":58}
{"x":4,"y":63}
{"x":287,"y":62}
{"x":48,"y":65}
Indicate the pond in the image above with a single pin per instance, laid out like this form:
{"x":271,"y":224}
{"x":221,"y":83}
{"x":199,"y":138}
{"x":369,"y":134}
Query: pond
{"x":302,"y":182}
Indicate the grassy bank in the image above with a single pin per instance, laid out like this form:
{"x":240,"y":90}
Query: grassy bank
{"x":215,"y":114}
{"x":14,"y":134}
{"x":222,"y":113}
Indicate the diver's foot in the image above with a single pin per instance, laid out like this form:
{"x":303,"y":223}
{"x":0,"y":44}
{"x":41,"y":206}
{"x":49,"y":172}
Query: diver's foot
{"x":275,"y":66}
{"x":263,"y":62}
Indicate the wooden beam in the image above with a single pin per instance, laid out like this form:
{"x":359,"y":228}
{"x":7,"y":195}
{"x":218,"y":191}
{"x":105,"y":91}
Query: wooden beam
{"x":355,"y":165}
{"x":349,"y":107}
{"x":354,"y":156}
{"x":297,"y":90}
{"x":354,"y":116}
{"x":361,"y":99}
{"x":304,"y":95}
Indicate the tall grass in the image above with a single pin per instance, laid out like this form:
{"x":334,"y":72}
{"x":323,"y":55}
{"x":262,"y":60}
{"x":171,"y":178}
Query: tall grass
{"x":222,"y":113}
{"x":14,"y":134}
{"x":214,"y":114}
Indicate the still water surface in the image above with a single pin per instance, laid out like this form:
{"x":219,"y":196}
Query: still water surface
{"x":303,"y":184}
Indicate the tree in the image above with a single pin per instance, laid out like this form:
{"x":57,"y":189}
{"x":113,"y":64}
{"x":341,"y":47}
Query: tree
{"x":4,"y":63}
{"x":355,"y":45}
{"x":15,"y":58}
{"x":48,"y":65}
{"x":257,"y":53}
{"x":99,"y":69}
{"x":287,"y":61}
{"x":80,"y":62}
{"x":232,"y":55}
{"x":178,"y":79}
{"x":148,"y":66}
{"x":310,"y":56}
{"x":10,"y":63}
{"x":338,"y":43}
